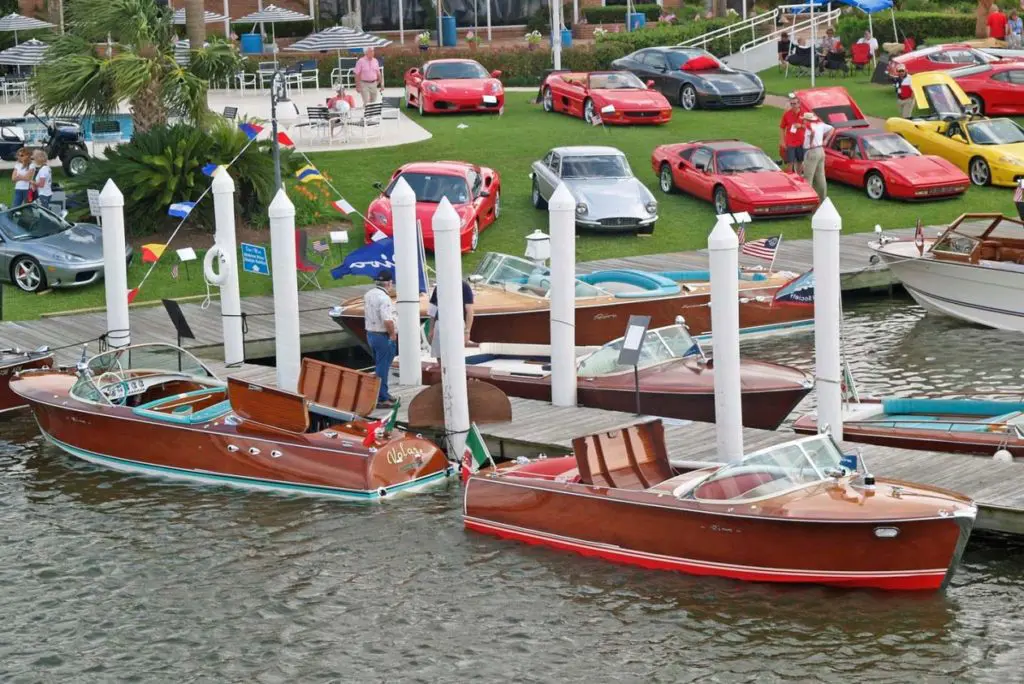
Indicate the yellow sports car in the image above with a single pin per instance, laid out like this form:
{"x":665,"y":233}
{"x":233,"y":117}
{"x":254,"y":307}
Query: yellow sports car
{"x":990,"y":151}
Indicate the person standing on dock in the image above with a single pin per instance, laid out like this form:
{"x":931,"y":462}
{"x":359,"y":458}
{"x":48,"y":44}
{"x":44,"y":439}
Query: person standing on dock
{"x":814,"y":154}
{"x":381,"y":332}
{"x":791,"y":135}
{"x":467,"y":319}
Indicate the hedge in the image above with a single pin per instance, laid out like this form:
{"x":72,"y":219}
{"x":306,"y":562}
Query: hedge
{"x":654,"y":36}
{"x":921,"y":25}
{"x":615,"y":14}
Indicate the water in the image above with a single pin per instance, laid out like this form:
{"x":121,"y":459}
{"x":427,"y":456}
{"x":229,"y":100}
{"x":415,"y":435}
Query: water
{"x":107,"y":577}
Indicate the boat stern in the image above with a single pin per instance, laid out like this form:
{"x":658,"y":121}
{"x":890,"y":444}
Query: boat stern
{"x":404,"y":464}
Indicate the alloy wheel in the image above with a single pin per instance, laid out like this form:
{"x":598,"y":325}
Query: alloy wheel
{"x":548,"y":100}
{"x":588,"y":111}
{"x":474,"y":237}
{"x":688,"y":98}
{"x":497,"y":204}
{"x":980,"y":173}
{"x":665,"y":178}
{"x":874,"y":186}
{"x":78,"y":165}
{"x":28,"y":275}
{"x":721,"y":201}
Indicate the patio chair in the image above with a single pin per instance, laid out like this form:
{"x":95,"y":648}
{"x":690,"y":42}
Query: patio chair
{"x":370,"y":120}
{"x":230,"y":113}
{"x":860,"y":55}
{"x":309,"y":74}
{"x":344,"y":75}
{"x":391,"y":109}
{"x":247,"y":79}
{"x":307,"y":268}
{"x":318,"y":119}
{"x":265,"y":72}
{"x":15,"y":88}
{"x":800,"y":60}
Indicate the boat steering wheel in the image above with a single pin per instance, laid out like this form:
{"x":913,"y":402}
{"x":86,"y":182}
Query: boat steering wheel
{"x":114,"y":379}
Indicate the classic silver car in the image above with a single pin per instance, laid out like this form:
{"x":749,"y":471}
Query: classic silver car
{"x":608,"y":195}
{"x":39,"y":249}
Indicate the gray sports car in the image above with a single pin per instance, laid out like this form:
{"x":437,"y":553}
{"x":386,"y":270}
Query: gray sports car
{"x":39,"y":249}
{"x":608,"y":195}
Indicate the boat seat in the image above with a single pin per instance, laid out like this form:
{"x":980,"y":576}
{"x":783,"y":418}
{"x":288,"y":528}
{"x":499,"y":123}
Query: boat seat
{"x":631,"y":458}
{"x":731,"y":487}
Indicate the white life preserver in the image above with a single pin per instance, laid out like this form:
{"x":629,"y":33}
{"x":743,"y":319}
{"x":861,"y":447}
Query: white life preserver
{"x":214,"y":277}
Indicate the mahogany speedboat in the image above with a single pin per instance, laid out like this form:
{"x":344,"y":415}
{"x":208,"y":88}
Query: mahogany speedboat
{"x":13,"y":361}
{"x":794,"y":512}
{"x":512,"y":302}
{"x":156,"y":409}
{"x":676,"y":380}
{"x":966,"y":426}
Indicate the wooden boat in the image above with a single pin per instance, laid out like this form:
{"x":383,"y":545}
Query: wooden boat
{"x":512,"y":304}
{"x":676,"y":379}
{"x":12,"y":362}
{"x":155,"y":409}
{"x":967,"y":426}
{"x":794,"y":512}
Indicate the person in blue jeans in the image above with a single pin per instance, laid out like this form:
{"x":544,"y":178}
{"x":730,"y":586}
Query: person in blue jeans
{"x":381,"y":332}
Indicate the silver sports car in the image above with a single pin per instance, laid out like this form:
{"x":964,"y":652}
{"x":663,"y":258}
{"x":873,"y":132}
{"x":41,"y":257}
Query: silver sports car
{"x":608,"y":195}
{"x":39,"y":249}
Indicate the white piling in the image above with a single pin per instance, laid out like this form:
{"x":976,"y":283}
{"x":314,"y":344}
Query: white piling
{"x":556,"y":33}
{"x":827,"y":225}
{"x":115,"y":270}
{"x":562,"y":228}
{"x":403,"y":212}
{"x":230,"y":300}
{"x":448,"y":261}
{"x":286,"y":291}
{"x":723,"y":248}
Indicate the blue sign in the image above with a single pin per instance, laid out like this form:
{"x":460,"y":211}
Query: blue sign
{"x":254,"y":259}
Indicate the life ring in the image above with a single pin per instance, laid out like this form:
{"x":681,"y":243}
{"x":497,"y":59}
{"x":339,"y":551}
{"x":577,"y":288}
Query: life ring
{"x":214,"y":277}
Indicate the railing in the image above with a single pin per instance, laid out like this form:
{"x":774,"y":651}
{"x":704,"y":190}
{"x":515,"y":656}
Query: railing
{"x":732,"y":29}
{"x":819,"y":18}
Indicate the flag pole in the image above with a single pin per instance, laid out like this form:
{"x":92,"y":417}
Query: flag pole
{"x":775,"y":254}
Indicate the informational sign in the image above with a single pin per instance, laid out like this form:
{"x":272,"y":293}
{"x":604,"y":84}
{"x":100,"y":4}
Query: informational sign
{"x":94,"y":202}
{"x":339,"y":237}
{"x":633,"y":340}
{"x":186,"y":254}
{"x":254,"y":259}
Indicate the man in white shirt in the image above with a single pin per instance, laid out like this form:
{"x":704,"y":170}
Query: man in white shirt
{"x":870,"y":41}
{"x":814,"y":154}
{"x":381,"y":333}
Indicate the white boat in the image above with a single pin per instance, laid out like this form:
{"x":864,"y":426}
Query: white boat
{"x":974,"y":271}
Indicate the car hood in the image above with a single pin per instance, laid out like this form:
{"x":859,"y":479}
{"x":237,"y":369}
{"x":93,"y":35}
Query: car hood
{"x":777,"y":183}
{"x":82,"y":239}
{"x":821,"y":100}
{"x":424,"y":214}
{"x":626,"y":99}
{"x":611,"y":197}
{"x":924,"y":168}
{"x":463,"y":86}
{"x":727,"y":81}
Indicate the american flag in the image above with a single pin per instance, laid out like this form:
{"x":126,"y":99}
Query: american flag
{"x":1018,"y":194}
{"x":741,"y":234}
{"x":762,"y":249}
{"x":595,"y":120}
{"x":320,"y":246}
{"x":174,"y":272}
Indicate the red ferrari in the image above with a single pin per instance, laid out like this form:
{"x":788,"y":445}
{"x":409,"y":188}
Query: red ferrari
{"x":453,"y":85}
{"x":940,"y":58}
{"x":880,"y":162}
{"x":611,"y":97}
{"x":734,"y":176}
{"x":995,"y":88}
{"x":474,"y":191}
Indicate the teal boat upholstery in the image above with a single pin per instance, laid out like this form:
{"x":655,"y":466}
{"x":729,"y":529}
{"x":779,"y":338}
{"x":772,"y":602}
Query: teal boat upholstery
{"x":705,"y":276}
{"x":183,"y":415}
{"x":924,"y":414}
{"x":651,"y":284}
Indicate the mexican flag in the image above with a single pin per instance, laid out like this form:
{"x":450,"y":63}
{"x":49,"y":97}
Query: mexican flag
{"x":476,"y":453}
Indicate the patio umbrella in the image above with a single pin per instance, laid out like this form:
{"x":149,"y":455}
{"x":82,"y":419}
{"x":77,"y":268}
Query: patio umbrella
{"x":17,"y":22}
{"x":338,"y":38}
{"x":208,"y":17}
{"x":29,"y":53}
{"x":272,"y":14}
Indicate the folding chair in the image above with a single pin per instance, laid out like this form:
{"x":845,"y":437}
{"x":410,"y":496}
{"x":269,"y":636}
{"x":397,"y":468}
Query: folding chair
{"x":800,"y":60}
{"x":860,"y":55}
{"x":370,"y":121}
{"x":309,"y":73}
{"x":230,"y":113}
{"x":307,"y":268}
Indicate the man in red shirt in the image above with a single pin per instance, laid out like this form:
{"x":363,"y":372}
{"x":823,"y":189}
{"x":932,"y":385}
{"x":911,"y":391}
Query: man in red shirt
{"x":904,"y":93}
{"x":791,"y":135}
{"x":996,"y":23}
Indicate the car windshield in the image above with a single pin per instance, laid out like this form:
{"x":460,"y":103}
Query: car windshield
{"x":744,"y":161}
{"x":31,"y":221}
{"x":455,"y":70}
{"x":942,"y":100}
{"x":615,"y":80}
{"x":432,"y":187}
{"x":995,"y":132}
{"x":521,"y":276}
{"x":677,"y":58}
{"x":660,"y":345}
{"x":885,"y":146}
{"x":596,"y":166}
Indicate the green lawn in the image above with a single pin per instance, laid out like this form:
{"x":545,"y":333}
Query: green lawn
{"x":873,"y":99}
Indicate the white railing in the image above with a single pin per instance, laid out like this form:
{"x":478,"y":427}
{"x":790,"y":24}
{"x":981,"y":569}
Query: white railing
{"x":793,"y":29}
{"x":740,"y":27}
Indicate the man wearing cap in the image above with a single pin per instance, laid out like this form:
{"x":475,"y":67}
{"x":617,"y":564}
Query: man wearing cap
{"x":1018,"y":198}
{"x":904,"y":93}
{"x":815,"y":131}
{"x":791,"y":135}
{"x":381,"y":332}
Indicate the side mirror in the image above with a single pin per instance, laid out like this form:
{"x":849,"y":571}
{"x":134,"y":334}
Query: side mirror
{"x":650,"y":84}
{"x":959,"y":138}
{"x":487,"y":181}
{"x":496,"y":73}
{"x":378,"y":186}
{"x":682,"y":166}
{"x":414,"y":72}
{"x":484,"y":193}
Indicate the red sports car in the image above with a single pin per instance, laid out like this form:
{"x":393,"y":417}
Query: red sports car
{"x":735,"y":176}
{"x":474,"y":191}
{"x":940,"y":58}
{"x":880,"y":162}
{"x":453,"y":85}
{"x":995,"y":88}
{"x":611,"y":97}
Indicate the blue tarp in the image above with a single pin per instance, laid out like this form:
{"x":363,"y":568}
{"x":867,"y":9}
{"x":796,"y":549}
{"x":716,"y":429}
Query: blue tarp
{"x":866,"y":6}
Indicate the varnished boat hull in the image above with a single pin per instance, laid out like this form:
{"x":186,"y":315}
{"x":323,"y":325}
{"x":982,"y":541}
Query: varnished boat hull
{"x":10,"y":401}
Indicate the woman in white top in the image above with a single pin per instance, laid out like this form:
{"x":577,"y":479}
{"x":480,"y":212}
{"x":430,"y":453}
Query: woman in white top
{"x":43,"y":182}
{"x":22,"y":177}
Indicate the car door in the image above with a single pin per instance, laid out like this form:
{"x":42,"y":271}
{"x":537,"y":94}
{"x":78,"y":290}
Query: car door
{"x":1010,"y":94}
{"x":703,"y":177}
{"x":547,"y":178}
{"x":838,"y":156}
{"x":657,"y":71}
{"x":954,"y":146}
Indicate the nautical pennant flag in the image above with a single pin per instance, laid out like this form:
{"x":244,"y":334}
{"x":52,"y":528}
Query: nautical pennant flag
{"x":476,"y":454}
{"x":372,"y":432}
{"x":1018,"y":194}
{"x":762,"y":249}
{"x":308,"y":173}
{"x":180,"y":209}
{"x":849,"y":387}
{"x":210,"y":169}
{"x":919,"y":237}
{"x":132,"y":294}
{"x":392,"y":419}
{"x":382,"y":426}
{"x":152,"y":252}
{"x":595,"y":120}
{"x":343,"y":206}
{"x":251,"y":130}
{"x":284,"y":140}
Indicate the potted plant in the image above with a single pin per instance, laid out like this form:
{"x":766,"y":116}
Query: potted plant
{"x":424,"y":40}
{"x":533,"y":39}
{"x":473,"y":40}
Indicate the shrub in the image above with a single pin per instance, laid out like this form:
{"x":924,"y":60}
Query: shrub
{"x":664,"y":34}
{"x":921,"y":25}
{"x":616,"y":14}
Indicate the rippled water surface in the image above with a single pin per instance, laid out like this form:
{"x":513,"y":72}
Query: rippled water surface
{"x":107,"y":578}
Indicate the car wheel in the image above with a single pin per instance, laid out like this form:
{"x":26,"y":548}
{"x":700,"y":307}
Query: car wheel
{"x":665,"y":181}
{"x":979,"y":172}
{"x":978,"y":103}
{"x":538,"y":201}
{"x":588,"y":111}
{"x":547,"y":100}
{"x":688,"y":97}
{"x":874,"y":186}
{"x":76,"y":165}
{"x":497,"y":204}
{"x":721,"y":199}
{"x":28,"y":275}
{"x":474,"y":237}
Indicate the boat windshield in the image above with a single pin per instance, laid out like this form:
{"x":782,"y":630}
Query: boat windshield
{"x":522,"y":276}
{"x":774,"y":470}
{"x":144,"y":359}
{"x":660,"y":345}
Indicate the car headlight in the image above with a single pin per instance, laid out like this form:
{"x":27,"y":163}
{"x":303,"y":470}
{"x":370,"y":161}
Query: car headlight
{"x":651,"y":207}
{"x":433,"y":88}
{"x":382,"y":219}
{"x":581,"y":209}
{"x":73,"y":258}
{"x":708,"y":87}
{"x":757,"y":81}
{"x":1011,"y":160}
{"x":493,"y":87}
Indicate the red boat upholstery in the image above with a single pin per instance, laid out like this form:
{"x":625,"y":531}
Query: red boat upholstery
{"x":549,"y":469}
{"x":632,"y":458}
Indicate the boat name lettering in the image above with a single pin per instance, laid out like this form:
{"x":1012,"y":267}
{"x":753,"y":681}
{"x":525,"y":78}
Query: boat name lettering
{"x":720,"y":528}
{"x":604,"y":317}
{"x":255,"y":388}
{"x":398,"y":455}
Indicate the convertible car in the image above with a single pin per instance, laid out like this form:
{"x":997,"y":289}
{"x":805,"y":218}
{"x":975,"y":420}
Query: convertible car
{"x":474,"y":191}
{"x":39,"y":249}
{"x":990,"y":151}
{"x":994,"y":88}
{"x":611,"y":97}
{"x":734,"y":176}
{"x":608,"y":195}
{"x":694,"y":78}
{"x":453,"y":85}
{"x":882,"y":163}
{"x":940,"y":58}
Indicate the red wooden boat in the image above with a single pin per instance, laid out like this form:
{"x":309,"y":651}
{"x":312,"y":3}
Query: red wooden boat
{"x":512,"y":302}
{"x":794,"y":512}
{"x":155,"y":409}
{"x":12,"y":362}
{"x":675,"y":379}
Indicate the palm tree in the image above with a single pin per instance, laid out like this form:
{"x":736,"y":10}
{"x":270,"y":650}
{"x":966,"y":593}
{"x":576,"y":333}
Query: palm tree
{"x":55,"y":13}
{"x":78,"y":79}
{"x":195,"y":27}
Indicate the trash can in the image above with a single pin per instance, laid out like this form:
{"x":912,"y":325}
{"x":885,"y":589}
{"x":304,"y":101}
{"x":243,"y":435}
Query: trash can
{"x":252,"y":43}
{"x":566,"y":38}
{"x":637,"y":20}
{"x":448,"y":31}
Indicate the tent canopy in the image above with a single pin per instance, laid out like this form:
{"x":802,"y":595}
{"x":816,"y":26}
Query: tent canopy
{"x":866,"y":6}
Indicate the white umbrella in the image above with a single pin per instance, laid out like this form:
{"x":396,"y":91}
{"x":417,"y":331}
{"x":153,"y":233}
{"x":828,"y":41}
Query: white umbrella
{"x":272,"y":14}
{"x":29,"y":53}
{"x":208,"y":17}
{"x":17,"y":22}
{"x":338,"y":38}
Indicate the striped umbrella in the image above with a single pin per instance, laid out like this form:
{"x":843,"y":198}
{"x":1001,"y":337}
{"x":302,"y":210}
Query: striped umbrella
{"x":181,"y":51}
{"x":338,"y":38}
{"x":29,"y":53}
{"x":17,"y":22}
{"x":272,"y":14}
{"x":208,"y":17}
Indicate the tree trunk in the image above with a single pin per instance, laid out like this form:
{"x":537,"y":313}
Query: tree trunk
{"x":148,"y":109}
{"x":195,"y":28}
{"x":55,"y":14}
{"x":981,"y":25}
{"x":719,"y":7}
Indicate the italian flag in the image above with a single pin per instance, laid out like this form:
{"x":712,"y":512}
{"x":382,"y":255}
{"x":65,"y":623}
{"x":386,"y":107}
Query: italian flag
{"x":476,"y":453}
{"x":382,"y":426}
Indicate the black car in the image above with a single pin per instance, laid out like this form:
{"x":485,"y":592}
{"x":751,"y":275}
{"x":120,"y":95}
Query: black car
{"x":694,"y":77}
